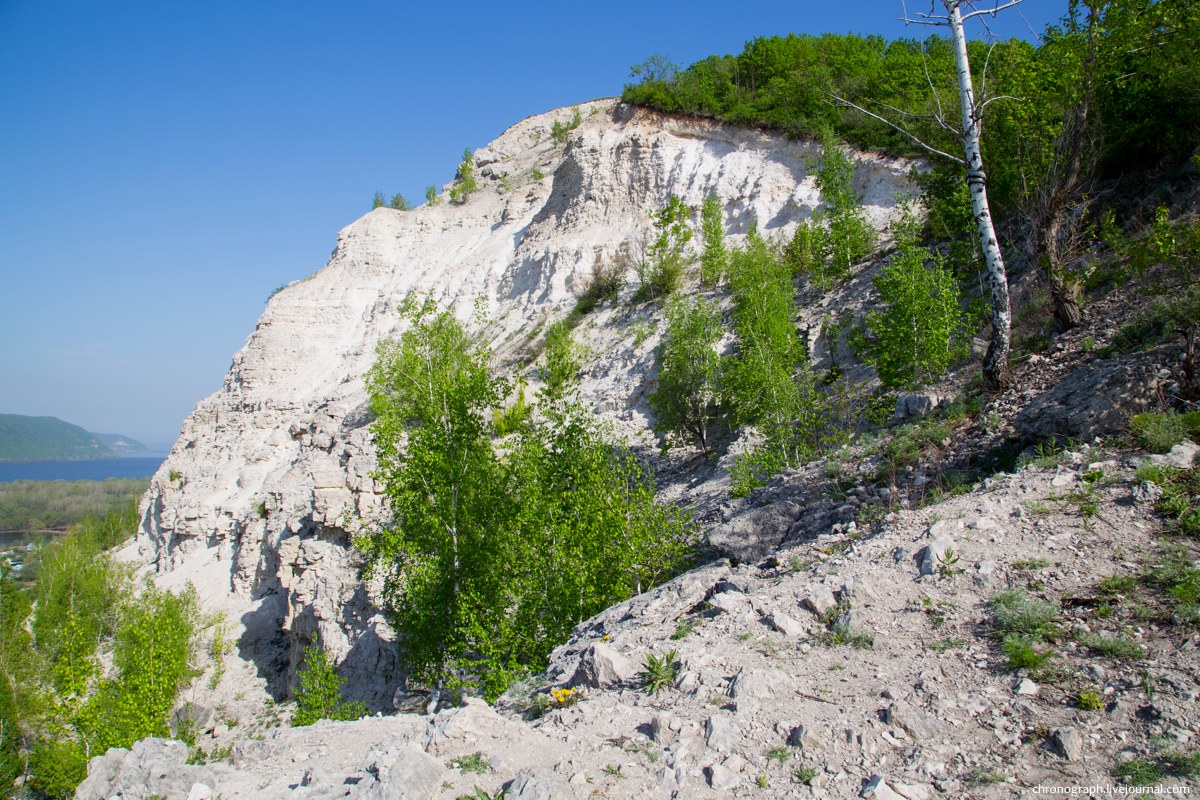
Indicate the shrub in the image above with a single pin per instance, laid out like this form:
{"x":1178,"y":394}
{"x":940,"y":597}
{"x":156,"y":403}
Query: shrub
{"x":921,"y":333}
{"x":1015,"y":612}
{"x":659,"y":672}
{"x":431,"y":195}
{"x":1159,"y":432}
{"x":377,"y":201}
{"x":1089,"y":699}
{"x":714,"y":257}
{"x":560,"y":130}
{"x":320,"y":695}
{"x":666,"y":257}
{"x":687,"y":400}
{"x":464,"y":182}
{"x":399,"y":203}
{"x":494,"y":556}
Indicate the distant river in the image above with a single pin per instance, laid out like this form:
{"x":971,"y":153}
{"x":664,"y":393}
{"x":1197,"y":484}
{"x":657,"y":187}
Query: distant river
{"x":96,"y":469}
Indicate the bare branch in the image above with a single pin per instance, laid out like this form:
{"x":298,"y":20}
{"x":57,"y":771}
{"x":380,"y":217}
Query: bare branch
{"x":991,"y":100}
{"x":991,"y":11}
{"x":896,"y":127}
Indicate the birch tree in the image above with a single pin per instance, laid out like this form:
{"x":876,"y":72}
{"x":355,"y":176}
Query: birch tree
{"x":969,"y":132}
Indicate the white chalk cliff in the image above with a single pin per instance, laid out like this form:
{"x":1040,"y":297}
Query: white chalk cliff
{"x":271,"y":476}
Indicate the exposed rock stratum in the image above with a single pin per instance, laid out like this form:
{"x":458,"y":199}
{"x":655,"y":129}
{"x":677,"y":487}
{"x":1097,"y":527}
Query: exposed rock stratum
{"x":271,"y":476}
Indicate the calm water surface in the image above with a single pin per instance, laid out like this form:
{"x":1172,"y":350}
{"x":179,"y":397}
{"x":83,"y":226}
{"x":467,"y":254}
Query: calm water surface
{"x":140,"y":466}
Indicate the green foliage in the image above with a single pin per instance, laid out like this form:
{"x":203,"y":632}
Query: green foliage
{"x":949,"y":216}
{"x":714,"y":257}
{"x":320,"y":694}
{"x":40,"y":505}
{"x":1014,"y":611}
{"x":921,"y":332}
{"x":1111,"y":646}
{"x":770,"y":382}
{"x":18,"y":669}
{"x":1172,"y":245}
{"x":431,"y":195}
{"x":153,"y":648}
{"x":687,"y":401}
{"x":1022,"y":652}
{"x":474,"y":764}
{"x":464,"y":181}
{"x":559,"y":131}
{"x":1089,"y":699}
{"x":1153,"y":771}
{"x":561,"y":362}
{"x":659,"y":671}
{"x":492,"y":557}
{"x":1180,"y":501}
{"x":377,"y":201}
{"x":666,"y":257}
{"x":850,"y":236}
{"x":1158,"y":432}
{"x":837,"y":236}
{"x":399,"y":203}
{"x":25,"y":438}
{"x":1160,"y":321}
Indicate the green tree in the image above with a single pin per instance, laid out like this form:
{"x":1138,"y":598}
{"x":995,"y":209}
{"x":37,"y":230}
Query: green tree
{"x":714,"y":258}
{"x":770,"y":381}
{"x":921,"y":332}
{"x":667,"y":255}
{"x":493,"y":557}
{"x":851,"y":237}
{"x":464,"y":183}
{"x":320,"y":695}
{"x":377,"y":201}
{"x":687,"y":401}
{"x":431,"y":195}
{"x":399,"y":203}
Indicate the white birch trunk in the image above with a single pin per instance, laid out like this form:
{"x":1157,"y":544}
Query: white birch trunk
{"x":995,"y":363}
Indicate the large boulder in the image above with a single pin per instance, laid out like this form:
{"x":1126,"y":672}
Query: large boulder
{"x":754,"y":534}
{"x":1094,"y":400}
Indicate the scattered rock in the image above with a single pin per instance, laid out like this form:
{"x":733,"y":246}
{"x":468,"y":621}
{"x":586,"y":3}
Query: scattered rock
{"x":1094,"y":400}
{"x":933,"y":555}
{"x":721,"y":778}
{"x":538,"y":785}
{"x":603,"y":666}
{"x":1181,"y":456}
{"x":877,"y":789}
{"x":819,"y":600}
{"x":1027,"y":687}
{"x":722,"y":733}
{"x":1066,"y":743}
{"x":751,"y":536}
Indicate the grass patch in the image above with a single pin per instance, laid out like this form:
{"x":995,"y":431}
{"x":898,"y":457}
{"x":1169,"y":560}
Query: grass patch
{"x":1154,"y":770}
{"x":685,"y":627}
{"x":1158,"y":432}
{"x":1117,"y":584}
{"x":474,"y":764}
{"x":1031,"y":564}
{"x":1114,"y":647}
{"x":1015,"y":612}
{"x":1155,"y":324}
{"x":947,"y":644}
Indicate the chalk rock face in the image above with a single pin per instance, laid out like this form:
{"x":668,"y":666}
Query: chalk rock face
{"x":270,"y":478}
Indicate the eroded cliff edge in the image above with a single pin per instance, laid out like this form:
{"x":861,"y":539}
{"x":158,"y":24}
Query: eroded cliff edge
{"x":271,"y":476}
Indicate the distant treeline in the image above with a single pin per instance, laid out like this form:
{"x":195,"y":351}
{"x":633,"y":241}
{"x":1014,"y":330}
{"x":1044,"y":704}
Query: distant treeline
{"x":43,"y":505}
{"x":1135,"y":59}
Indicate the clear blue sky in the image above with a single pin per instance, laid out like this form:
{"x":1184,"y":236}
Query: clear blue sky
{"x":165,"y":165}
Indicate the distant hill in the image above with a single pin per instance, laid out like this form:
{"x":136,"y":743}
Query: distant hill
{"x":25,"y":438}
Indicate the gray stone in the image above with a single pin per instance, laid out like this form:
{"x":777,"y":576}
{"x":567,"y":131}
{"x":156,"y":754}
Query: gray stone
{"x":538,"y":785}
{"x":760,"y":684}
{"x":1181,"y":456}
{"x":1147,"y":493}
{"x":785,"y":624}
{"x":603,"y":666}
{"x":1094,"y":400}
{"x":876,"y":788}
{"x":722,"y":733}
{"x":819,"y":600}
{"x":1066,"y":743}
{"x":753,"y":535}
{"x":914,"y":406}
{"x":721,"y":778}
{"x":200,"y":791}
{"x":934,"y":555}
{"x":1026,"y":687}
{"x":984,"y":572}
{"x":795,"y":737}
{"x":730,"y":602}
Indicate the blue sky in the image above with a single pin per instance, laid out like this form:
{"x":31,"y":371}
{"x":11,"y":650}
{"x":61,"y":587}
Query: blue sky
{"x":165,"y":165}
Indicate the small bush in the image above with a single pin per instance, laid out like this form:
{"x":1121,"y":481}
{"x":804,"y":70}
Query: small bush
{"x":659,"y":672}
{"x":320,"y":695}
{"x":474,"y":764}
{"x":1022,"y":652}
{"x":560,"y":130}
{"x":1111,"y":646}
{"x":464,"y":183}
{"x":1159,"y":432}
{"x":1015,"y":612}
{"x":1089,"y":700}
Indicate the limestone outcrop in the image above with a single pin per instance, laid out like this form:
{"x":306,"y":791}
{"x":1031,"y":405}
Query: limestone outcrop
{"x":270,"y":478}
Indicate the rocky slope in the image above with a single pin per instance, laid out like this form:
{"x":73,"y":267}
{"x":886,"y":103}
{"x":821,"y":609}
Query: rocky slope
{"x":270,"y":477}
{"x":845,"y":646}
{"x":912,"y":699}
